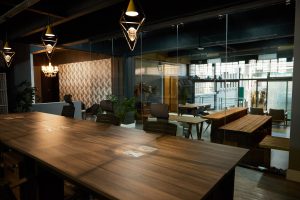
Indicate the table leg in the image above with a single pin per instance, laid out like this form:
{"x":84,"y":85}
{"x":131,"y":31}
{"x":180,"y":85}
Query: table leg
{"x":224,"y":189}
{"x":50,"y":186}
{"x":199,"y":131}
{"x":189,"y":132}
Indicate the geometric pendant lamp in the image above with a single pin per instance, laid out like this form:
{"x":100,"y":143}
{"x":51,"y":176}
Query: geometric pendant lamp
{"x":131,"y":21}
{"x":7,"y":53}
{"x":49,"y":40}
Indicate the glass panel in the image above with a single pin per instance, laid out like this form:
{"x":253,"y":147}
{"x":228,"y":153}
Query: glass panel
{"x":277,"y":95}
{"x":289,"y":99}
{"x":260,"y":97}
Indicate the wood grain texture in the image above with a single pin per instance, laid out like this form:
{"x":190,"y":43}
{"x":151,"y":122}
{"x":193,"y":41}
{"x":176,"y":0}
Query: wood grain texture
{"x":248,"y":124}
{"x":221,"y":118}
{"x":226,"y":113}
{"x":192,"y":105}
{"x":272,"y":142}
{"x":93,"y":155}
{"x":186,"y":119}
{"x":257,"y":185}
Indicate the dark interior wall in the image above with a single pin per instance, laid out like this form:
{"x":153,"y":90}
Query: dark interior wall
{"x":294,"y":158}
{"x":117,"y":76}
{"x":22,"y":65}
{"x":18,"y":72}
{"x":63,"y":56}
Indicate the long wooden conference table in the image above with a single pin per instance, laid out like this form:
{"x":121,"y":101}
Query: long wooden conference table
{"x":115,"y":162}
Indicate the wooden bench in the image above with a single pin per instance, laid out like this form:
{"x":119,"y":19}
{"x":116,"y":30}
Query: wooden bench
{"x":279,"y":143}
{"x":247,"y":132}
{"x":271,"y":142}
{"x":221,"y":118}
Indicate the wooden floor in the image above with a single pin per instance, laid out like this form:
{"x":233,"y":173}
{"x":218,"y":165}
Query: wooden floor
{"x":255,"y":185}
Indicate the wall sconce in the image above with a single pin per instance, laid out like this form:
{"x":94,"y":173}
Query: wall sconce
{"x":130,"y":22}
{"x":160,"y":66}
{"x":7,"y":54}
{"x":49,"y":40}
{"x":50,"y":70}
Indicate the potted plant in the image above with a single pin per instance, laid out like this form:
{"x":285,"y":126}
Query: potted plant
{"x":25,"y":95}
{"x":124,"y":108}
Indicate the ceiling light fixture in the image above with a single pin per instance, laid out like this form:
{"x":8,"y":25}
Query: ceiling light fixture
{"x":49,"y":40}
{"x":7,"y":53}
{"x":50,"y":70}
{"x":131,"y":22}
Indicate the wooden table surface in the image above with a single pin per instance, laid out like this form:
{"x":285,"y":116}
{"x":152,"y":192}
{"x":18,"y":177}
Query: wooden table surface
{"x":101,"y":158}
{"x":272,"y":142}
{"x":187,"y":119}
{"x":224,"y":113}
{"x":192,"y":105}
{"x":247,"y":124}
{"x":191,"y":121}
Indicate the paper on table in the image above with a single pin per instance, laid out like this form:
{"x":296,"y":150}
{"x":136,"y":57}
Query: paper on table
{"x":64,"y":127}
{"x":147,"y":148}
{"x":19,"y":117}
{"x":133,"y":153}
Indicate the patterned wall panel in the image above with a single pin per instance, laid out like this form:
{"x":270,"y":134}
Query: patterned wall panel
{"x":88,"y":81}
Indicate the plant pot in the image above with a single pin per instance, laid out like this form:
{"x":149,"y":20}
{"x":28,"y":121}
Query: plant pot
{"x":129,"y":118}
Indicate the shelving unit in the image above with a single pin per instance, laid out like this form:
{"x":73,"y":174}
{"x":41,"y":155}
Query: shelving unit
{"x":3,"y":94}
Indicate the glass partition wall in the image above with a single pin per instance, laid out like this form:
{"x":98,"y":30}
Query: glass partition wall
{"x":172,"y":75}
{"x":240,"y":59}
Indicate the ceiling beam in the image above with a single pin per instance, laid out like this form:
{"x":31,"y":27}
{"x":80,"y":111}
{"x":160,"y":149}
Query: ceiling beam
{"x":45,"y":13}
{"x":79,"y":12}
{"x":225,"y":9}
{"x":17,"y":9}
{"x":37,"y":11}
{"x":229,"y":9}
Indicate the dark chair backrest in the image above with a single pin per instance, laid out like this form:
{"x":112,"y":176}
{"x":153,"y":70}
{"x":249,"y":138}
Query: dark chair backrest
{"x":68,"y":99}
{"x":93,"y":110}
{"x":277,"y":114}
{"x":107,"y":106}
{"x":159,"y":110}
{"x":256,"y":111}
{"x":160,"y":127}
{"x":68,"y":111}
{"x":108,"y":118}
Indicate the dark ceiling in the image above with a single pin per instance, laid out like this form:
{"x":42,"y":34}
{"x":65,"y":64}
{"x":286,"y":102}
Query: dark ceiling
{"x":253,"y":26}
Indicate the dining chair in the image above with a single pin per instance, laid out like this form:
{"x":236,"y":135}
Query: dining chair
{"x":92,"y":111}
{"x":256,"y":111}
{"x":107,"y":106}
{"x":68,"y":111}
{"x":278,"y":116}
{"x":160,"y":111}
{"x":5,"y":191}
{"x":160,"y":127}
{"x":108,"y":118}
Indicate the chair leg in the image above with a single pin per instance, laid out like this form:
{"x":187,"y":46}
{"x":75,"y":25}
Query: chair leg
{"x":5,"y":191}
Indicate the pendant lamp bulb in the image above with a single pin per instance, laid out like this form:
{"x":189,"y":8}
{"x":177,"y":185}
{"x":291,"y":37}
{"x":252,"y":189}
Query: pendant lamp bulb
{"x":131,"y":9}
